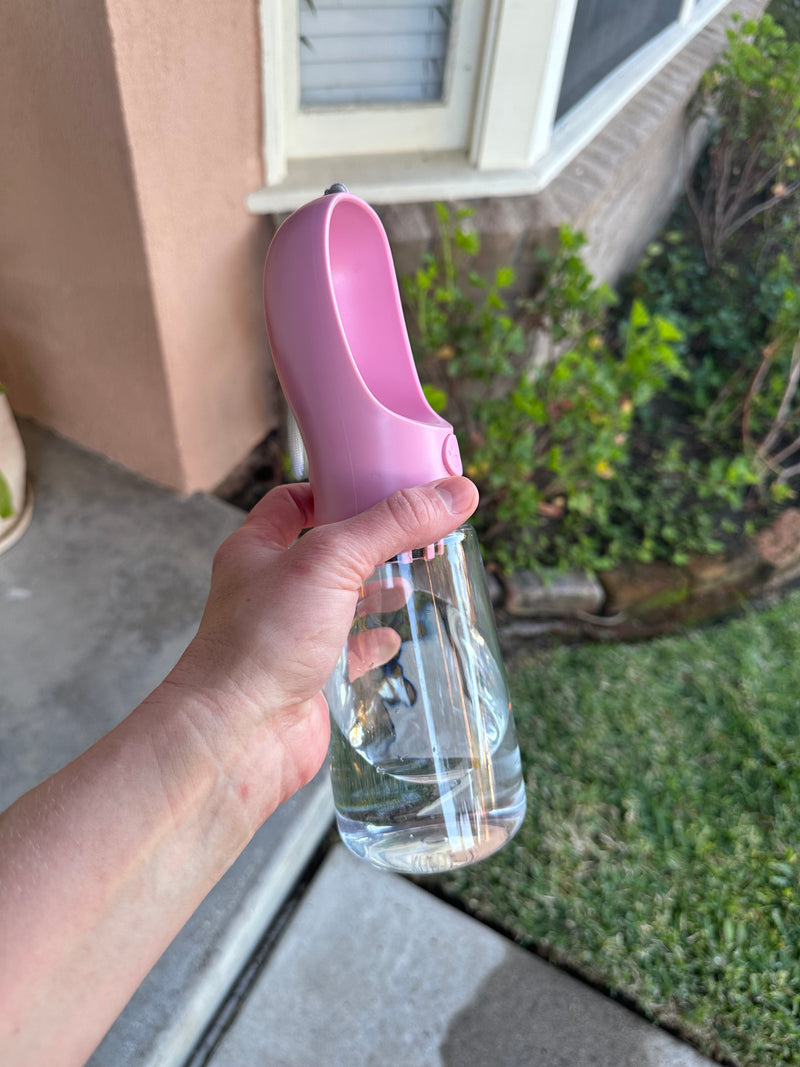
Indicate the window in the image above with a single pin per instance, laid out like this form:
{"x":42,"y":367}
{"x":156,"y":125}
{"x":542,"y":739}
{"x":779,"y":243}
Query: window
{"x":352,"y":53}
{"x":417,"y":99}
{"x":604,"y":33}
{"x":365,"y":77}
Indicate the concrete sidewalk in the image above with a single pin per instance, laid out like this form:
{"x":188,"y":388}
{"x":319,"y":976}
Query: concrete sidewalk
{"x":99,"y":598}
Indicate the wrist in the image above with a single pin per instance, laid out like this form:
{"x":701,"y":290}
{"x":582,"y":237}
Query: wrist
{"x":228,"y":745}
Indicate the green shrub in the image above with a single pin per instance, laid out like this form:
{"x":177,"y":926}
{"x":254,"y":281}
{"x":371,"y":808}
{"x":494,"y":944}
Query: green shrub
{"x":732,"y":283}
{"x":563,"y":452}
{"x":751,"y":101}
{"x":669,"y":421}
{"x":726,"y":316}
{"x":554,"y":451}
{"x":787,"y":14}
{"x":463,"y":332}
{"x":770,"y":412}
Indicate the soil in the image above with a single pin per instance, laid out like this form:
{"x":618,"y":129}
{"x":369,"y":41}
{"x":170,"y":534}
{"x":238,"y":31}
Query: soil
{"x":253,"y":478}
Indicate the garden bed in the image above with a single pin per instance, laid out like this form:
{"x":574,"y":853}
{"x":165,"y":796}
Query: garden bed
{"x":639,"y":600}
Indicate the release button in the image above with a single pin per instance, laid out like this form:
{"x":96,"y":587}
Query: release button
{"x":451,"y":455}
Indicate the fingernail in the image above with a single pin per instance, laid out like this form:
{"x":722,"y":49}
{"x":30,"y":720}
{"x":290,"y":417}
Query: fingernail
{"x":458,"y":494}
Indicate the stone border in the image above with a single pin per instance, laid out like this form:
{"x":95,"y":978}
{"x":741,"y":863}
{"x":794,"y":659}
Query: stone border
{"x":641,"y":600}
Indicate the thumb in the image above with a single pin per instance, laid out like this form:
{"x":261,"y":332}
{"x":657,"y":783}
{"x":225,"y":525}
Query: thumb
{"x":405,"y":520}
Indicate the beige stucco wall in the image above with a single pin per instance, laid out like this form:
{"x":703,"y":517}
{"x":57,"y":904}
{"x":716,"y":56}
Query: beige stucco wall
{"x":130,"y":315}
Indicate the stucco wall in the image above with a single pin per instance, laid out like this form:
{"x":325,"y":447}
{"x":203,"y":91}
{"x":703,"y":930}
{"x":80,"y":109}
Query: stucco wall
{"x":189,"y":78}
{"x":79,"y":346}
{"x":130,"y":315}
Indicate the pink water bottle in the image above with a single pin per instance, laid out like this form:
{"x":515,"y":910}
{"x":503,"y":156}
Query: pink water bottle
{"x":424,"y":760}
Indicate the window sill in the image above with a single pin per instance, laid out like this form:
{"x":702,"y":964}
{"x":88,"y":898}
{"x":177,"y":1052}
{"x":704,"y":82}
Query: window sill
{"x":426,"y":176}
{"x":395,"y":179}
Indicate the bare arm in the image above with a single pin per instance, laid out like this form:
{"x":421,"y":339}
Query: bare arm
{"x":102,"y":864}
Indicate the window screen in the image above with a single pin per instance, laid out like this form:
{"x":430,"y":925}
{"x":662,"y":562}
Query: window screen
{"x":368,"y":52}
{"x":604,"y":33}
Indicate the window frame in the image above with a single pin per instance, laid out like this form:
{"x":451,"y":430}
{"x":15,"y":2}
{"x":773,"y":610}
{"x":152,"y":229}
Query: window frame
{"x":509,"y":151}
{"x":319,"y":132}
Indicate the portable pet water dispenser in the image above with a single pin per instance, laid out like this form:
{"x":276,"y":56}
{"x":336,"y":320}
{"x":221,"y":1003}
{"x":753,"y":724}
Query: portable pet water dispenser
{"x":424,"y":760}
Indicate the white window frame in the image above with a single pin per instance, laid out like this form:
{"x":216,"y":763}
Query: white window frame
{"x":315,"y":132}
{"x":510,"y":150}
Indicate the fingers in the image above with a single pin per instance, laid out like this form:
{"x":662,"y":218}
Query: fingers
{"x":279,"y":518}
{"x":369,"y":649}
{"x":408,"y":519}
{"x":382,"y":597}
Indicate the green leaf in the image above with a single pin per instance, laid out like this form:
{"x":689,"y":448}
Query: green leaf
{"x":639,"y":316}
{"x":424,"y":280}
{"x":581,"y":502}
{"x":437,"y":398}
{"x":468,"y":241}
{"x":667,"y":330}
{"x":529,"y":405}
{"x":6,"y":503}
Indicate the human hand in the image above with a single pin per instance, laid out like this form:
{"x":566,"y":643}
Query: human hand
{"x":280,"y":609}
{"x":374,"y":647}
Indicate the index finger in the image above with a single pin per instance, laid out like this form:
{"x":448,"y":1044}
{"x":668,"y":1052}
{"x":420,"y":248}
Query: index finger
{"x":279,"y":518}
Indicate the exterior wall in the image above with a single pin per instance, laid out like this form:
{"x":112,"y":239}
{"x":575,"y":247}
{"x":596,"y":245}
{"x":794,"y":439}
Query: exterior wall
{"x":618,"y":191}
{"x":190,"y":84}
{"x":130,"y":307}
{"x":130,"y":296}
{"x":79,"y":345}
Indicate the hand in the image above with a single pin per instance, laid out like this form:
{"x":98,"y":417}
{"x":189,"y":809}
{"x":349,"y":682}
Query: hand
{"x":280,"y":609}
{"x":374,"y":647}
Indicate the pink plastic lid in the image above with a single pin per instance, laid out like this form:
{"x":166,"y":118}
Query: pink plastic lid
{"x":343,"y":358}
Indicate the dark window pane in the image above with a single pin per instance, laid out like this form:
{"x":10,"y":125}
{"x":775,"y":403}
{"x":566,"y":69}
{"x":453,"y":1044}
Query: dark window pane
{"x":604,"y":33}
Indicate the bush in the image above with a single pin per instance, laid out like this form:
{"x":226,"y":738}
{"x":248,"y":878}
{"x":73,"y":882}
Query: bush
{"x":562,"y":453}
{"x":669,"y":421}
{"x":732,"y":282}
{"x":751,"y":102}
{"x":787,"y":14}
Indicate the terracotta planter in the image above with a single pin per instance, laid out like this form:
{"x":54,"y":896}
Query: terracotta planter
{"x":14,"y":470}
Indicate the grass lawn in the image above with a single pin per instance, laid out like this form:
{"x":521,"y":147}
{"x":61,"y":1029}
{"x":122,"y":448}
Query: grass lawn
{"x":660,"y":857}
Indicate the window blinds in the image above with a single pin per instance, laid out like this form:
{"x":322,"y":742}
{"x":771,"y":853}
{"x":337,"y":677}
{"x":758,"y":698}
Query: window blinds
{"x":356,"y":52}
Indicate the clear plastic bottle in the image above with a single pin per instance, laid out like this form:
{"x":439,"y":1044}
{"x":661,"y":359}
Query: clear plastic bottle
{"x":424,"y":759}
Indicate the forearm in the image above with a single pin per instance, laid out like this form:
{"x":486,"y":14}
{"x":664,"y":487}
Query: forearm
{"x":101,"y":865}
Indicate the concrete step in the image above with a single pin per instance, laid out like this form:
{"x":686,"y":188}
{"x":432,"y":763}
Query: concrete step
{"x":373,"y":970}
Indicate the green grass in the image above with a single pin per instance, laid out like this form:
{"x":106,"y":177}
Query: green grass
{"x":660,"y":856}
